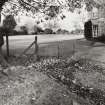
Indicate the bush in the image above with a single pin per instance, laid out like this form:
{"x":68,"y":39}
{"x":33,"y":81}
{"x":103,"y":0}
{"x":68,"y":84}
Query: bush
{"x":9,"y":23}
{"x":77,"y":31}
{"x":21,"y":31}
{"x":14,"y":32}
{"x":48,"y":31}
{"x":100,"y":38}
{"x":37,"y":30}
{"x":62,"y":31}
{"x":24,"y":30}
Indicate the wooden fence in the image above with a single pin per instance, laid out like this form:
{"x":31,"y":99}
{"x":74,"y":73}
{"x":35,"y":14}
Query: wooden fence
{"x":58,"y":49}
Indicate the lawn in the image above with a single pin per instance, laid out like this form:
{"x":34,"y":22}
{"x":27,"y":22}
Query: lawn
{"x":68,"y":77}
{"x":25,"y":86}
{"x":52,"y":81}
{"x":28,"y":85}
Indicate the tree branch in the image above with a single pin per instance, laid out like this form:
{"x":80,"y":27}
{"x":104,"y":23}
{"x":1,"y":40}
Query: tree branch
{"x":2,"y":2}
{"x":14,"y":4}
{"x":25,"y":3}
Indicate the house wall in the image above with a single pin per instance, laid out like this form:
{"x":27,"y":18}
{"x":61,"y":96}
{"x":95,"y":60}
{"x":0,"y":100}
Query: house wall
{"x":98,"y":18}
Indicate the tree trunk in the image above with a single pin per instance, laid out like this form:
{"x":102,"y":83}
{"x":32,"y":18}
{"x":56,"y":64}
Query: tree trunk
{"x":7,"y":44}
{"x":2,"y":59}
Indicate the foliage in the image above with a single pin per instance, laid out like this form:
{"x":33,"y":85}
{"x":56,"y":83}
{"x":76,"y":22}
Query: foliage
{"x":62,"y":31}
{"x":53,"y":11}
{"x":20,"y":32}
{"x":9,"y":23}
{"x":100,"y":38}
{"x":24,"y":30}
{"x":37,"y":30}
{"x":48,"y":31}
{"x":1,"y":37}
{"x":77,"y":31}
{"x":2,"y":2}
{"x":51,"y":8}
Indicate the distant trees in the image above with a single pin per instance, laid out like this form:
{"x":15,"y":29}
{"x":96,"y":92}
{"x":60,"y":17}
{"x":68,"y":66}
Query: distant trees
{"x":62,"y":31}
{"x":50,"y":8}
{"x":9,"y":24}
{"x":48,"y":31}
{"x":24,"y":30}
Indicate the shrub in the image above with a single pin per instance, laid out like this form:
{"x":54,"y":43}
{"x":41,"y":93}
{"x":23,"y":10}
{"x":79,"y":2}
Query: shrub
{"x":24,"y":30}
{"x":9,"y":24}
{"x":48,"y":31}
{"x":37,"y":30}
{"x":77,"y":31}
{"x":62,"y":31}
{"x":100,"y":38}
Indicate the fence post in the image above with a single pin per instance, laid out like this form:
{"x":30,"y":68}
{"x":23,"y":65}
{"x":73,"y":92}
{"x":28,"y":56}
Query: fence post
{"x":7,"y":44}
{"x":73,"y":47}
{"x":58,"y":51}
{"x":36,"y":48}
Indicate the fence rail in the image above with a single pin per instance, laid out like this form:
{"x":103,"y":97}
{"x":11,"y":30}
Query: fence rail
{"x":60,"y":48}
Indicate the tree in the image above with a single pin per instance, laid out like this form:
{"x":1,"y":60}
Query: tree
{"x":24,"y":30}
{"x":48,"y":31}
{"x":51,"y":8}
{"x":1,"y":37}
{"x":9,"y":23}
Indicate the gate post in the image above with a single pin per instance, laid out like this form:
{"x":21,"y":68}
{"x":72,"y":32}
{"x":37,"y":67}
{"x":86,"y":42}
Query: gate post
{"x":7,"y":45}
{"x":36,"y":48}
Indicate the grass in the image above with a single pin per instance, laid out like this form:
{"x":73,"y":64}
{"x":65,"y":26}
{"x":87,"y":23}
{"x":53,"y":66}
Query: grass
{"x":83,"y":78}
{"x":25,"y":86}
{"x":53,"y":81}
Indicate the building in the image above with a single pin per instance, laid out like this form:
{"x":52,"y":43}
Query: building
{"x":97,"y":15}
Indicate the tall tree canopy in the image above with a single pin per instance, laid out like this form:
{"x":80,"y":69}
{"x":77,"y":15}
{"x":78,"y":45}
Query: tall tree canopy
{"x":48,"y":7}
{"x":43,"y":10}
{"x":9,"y":23}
